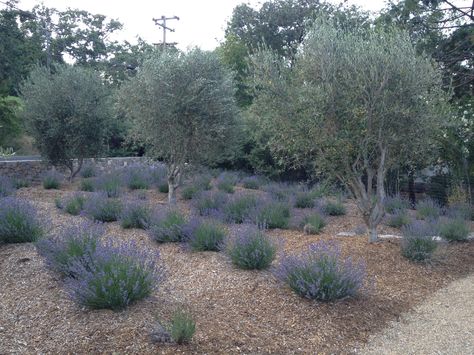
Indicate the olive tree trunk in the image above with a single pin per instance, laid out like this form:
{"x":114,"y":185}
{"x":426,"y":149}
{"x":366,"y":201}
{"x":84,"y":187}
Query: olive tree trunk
{"x":174,"y":180}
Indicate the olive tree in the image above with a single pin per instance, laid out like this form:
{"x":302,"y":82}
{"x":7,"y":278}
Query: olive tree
{"x":67,"y":113}
{"x":355,"y":103}
{"x":183,"y":109}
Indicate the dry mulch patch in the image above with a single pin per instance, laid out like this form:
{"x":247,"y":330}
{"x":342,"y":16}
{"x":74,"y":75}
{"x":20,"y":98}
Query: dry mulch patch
{"x":236,"y":311}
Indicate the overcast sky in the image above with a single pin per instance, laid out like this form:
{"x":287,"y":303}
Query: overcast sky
{"x":201,"y":23}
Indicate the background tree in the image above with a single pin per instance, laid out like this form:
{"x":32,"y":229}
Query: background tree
{"x":67,"y":113}
{"x":356,"y":101}
{"x":183,"y":109}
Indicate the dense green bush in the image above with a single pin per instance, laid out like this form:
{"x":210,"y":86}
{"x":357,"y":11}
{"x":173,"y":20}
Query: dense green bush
{"x":398,"y":219}
{"x":205,"y":235}
{"x":74,"y":204}
{"x":52,"y":180}
{"x":135,"y":214}
{"x":101,"y":208}
{"x":188,"y":192}
{"x":272,"y":214}
{"x":304,"y":199}
{"x":240,"y":208}
{"x":87,"y":185}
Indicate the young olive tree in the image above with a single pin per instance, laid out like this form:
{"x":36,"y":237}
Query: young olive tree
{"x":355,"y":103}
{"x":67,"y":113}
{"x":183,"y":109}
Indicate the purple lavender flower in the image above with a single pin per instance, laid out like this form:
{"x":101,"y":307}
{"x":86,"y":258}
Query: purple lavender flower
{"x":101,"y":208}
{"x":321,"y":273}
{"x":210,"y":203}
{"x":135,"y":214}
{"x":7,"y":188}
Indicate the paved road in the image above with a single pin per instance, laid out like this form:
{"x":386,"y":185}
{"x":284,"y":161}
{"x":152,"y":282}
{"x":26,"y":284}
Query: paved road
{"x":21,"y":158}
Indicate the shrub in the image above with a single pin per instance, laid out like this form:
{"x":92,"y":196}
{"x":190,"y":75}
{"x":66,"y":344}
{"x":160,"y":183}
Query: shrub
{"x":227,"y":181}
{"x":252,"y":182}
{"x":19,"y":222}
{"x":7,"y":187}
{"x":167,"y":226}
{"x":87,"y":185}
{"x":182,"y":327}
{"x":279,"y":191}
{"x":163,"y":187}
{"x":204,"y":235}
{"x":74,"y":204}
{"x":398,"y":219}
{"x":137,"y":177}
{"x":320,"y":190}
{"x":109,"y":184}
{"x":321,"y":273}
{"x":332,"y":208}
{"x":251,"y":249}
{"x":418,"y":244}
{"x":88,"y":171}
{"x":304,"y":199}
{"x":271,"y":214}
{"x":454,"y":230}
{"x":19,"y":183}
{"x":203,"y":182}
{"x":101,"y":208}
{"x":158,"y":172}
{"x":239,"y":208}
{"x":209,"y":203}
{"x":77,"y":242}
{"x":312,"y":223}
{"x":52,"y":180}
{"x":114,"y":276}
{"x":460,"y":210}
{"x":135,"y":214}
{"x":188,"y":192}
{"x":395,"y":203}
{"x":427,"y":209}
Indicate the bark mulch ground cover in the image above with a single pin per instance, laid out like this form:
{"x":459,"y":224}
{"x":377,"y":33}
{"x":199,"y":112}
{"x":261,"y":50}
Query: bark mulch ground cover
{"x":236,"y":311}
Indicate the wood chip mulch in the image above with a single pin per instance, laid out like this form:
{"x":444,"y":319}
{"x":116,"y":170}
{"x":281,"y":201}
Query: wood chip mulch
{"x":236,"y":311}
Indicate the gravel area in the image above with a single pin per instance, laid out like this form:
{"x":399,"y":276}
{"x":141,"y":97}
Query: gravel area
{"x":443,"y":324}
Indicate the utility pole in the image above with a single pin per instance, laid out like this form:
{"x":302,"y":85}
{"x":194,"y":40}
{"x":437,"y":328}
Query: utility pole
{"x":162,"y":23}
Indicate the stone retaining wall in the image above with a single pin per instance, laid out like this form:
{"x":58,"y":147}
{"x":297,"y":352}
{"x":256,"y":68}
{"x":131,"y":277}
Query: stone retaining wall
{"x":33,"y":170}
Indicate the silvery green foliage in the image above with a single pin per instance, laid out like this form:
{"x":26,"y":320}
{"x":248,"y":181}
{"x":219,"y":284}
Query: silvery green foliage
{"x":183,"y":109}
{"x":67,"y":112}
{"x":360,"y":102}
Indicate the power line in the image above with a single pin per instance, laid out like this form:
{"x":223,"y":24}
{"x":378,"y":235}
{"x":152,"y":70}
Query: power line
{"x":161,"y":22}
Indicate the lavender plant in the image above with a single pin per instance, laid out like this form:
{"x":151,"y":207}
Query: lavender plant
{"x":87,"y":185}
{"x":88,"y":170}
{"x":304,"y":199}
{"x":7,"y":188}
{"x":167,"y":226}
{"x":321,"y":273}
{"x":334,"y":208}
{"x":19,"y":222}
{"x":271,"y":214}
{"x":101,"y":208}
{"x":312,"y":223}
{"x":135,"y":214}
{"x":188,"y":192}
{"x":110,"y":184}
{"x":72,"y":204}
{"x":137,"y":177}
{"x":52,"y":180}
{"x":455,"y":229}
{"x":397,"y":219}
{"x":428,"y":209}
{"x":460,"y":210}
{"x":239,"y":208}
{"x":226,"y":181}
{"x":279,"y":191}
{"x":182,"y":327}
{"x":209,"y":203}
{"x":393,"y":204}
{"x":70,"y":244}
{"x":418,"y":243}
{"x":250,"y":248}
{"x":252,"y":182}
{"x":204,"y":235}
{"x":115,"y":276}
